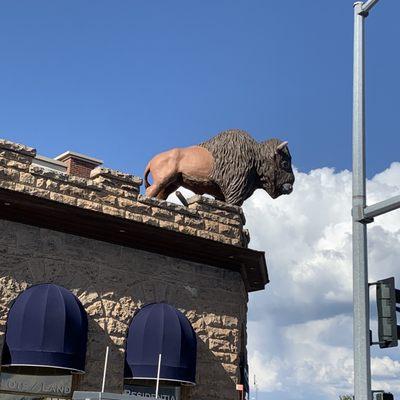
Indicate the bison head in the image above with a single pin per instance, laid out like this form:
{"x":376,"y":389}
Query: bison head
{"x":275,"y":168}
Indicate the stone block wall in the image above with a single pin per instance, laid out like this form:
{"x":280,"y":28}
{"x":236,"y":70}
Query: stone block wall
{"x":113,"y":281}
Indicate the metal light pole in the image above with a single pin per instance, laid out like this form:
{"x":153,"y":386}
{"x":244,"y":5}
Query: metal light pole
{"x":362,"y":363}
{"x":362,"y":366}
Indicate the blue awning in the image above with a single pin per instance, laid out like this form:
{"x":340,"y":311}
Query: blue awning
{"x":46,"y":326}
{"x":159,"y":328}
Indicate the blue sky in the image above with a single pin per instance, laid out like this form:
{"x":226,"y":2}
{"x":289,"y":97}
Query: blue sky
{"x":123,"y":80}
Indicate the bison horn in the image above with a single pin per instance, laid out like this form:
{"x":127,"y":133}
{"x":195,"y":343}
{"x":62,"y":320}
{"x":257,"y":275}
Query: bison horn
{"x":281,"y":146}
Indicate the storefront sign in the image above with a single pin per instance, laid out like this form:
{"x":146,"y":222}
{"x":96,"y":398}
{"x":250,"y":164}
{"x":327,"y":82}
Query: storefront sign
{"x":145,"y":392}
{"x":57,"y":385}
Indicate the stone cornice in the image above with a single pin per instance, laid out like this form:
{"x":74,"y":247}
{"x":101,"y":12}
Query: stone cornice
{"x":114,"y":193}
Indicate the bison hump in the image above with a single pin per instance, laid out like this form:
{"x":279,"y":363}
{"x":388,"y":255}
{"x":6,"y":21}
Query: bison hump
{"x":231,"y":137}
{"x":234,"y":152}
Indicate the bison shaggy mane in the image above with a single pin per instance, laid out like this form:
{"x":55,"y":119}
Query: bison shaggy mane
{"x":238,"y":162}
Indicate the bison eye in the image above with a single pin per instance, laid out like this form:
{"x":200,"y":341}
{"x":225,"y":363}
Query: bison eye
{"x":285,"y":165}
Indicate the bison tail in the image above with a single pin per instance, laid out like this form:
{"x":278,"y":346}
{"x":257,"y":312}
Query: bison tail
{"x":146,"y":174}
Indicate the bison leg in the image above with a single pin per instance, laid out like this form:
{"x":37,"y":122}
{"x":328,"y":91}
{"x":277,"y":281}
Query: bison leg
{"x":164,"y":170}
{"x":153,"y":190}
{"x":164,"y":193}
{"x":163,"y":190}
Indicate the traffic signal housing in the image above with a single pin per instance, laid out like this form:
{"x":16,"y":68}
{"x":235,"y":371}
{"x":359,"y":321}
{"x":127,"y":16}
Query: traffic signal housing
{"x":387,"y":296}
{"x":384,"y":396}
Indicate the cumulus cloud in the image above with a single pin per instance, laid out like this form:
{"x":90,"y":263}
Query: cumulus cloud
{"x":300,"y":328}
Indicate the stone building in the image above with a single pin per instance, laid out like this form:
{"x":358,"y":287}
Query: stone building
{"x":68,"y":223}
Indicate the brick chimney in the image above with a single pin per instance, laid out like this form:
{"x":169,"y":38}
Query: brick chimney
{"x":78,"y":164}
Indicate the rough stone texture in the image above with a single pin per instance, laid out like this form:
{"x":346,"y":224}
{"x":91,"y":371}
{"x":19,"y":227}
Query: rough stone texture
{"x":116,"y":176}
{"x":113,"y":281}
{"x":116,"y":193}
{"x":18,"y":148}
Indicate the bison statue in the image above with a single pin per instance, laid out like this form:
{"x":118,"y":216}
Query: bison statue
{"x":230,"y":166}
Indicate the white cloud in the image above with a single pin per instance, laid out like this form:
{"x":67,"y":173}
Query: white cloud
{"x":385,"y":367}
{"x":300,"y":328}
{"x":270,"y":381}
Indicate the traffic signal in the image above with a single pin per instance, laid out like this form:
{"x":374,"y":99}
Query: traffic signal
{"x":386,"y":298}
{"x":384,"y":396}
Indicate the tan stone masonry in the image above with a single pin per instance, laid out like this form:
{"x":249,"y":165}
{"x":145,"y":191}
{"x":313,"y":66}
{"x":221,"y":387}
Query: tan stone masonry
{"x":113,"y":279}
{"x":112,"y":282}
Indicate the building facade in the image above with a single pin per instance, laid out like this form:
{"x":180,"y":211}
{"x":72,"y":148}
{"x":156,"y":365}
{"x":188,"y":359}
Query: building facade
{"x":116,"y":251}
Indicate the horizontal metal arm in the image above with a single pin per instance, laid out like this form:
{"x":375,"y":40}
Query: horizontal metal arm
{"x":368,"y":5}
{"x":382,"y":207}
